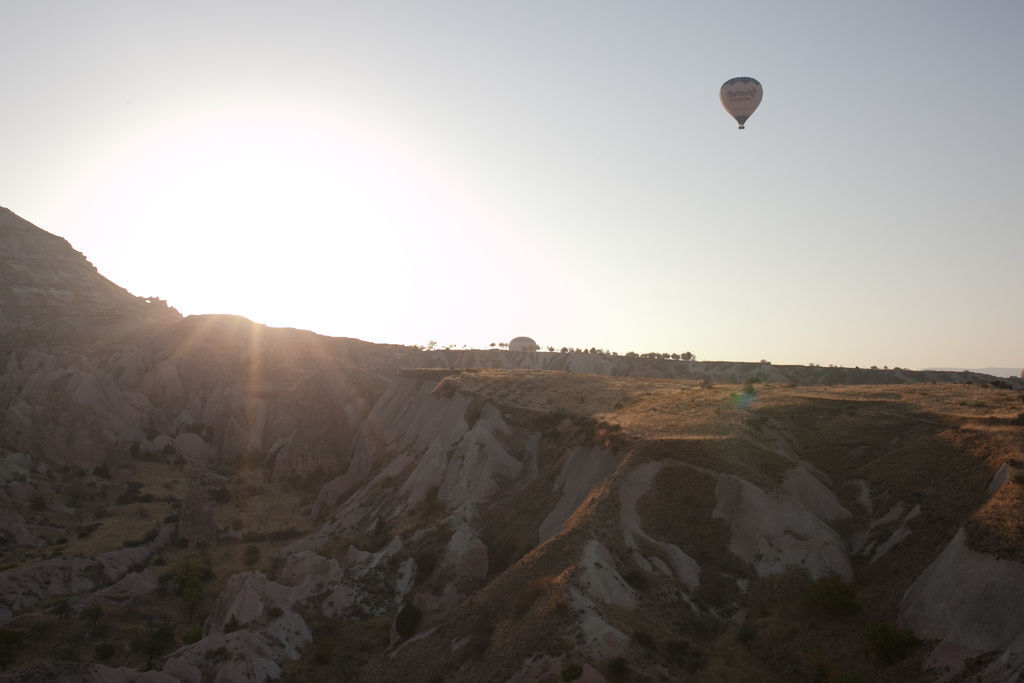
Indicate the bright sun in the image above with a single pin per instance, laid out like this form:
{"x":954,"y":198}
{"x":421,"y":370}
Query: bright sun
{"x":283,"y":216}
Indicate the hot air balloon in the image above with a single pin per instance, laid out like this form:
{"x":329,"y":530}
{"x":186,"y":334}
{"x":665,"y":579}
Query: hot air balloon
{"x":740,"y":97}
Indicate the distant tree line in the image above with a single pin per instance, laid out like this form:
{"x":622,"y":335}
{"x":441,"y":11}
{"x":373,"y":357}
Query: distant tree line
{"x":432,"y":345}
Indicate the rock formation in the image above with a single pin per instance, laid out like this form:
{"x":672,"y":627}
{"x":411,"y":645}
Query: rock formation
{"x":226,"y":501}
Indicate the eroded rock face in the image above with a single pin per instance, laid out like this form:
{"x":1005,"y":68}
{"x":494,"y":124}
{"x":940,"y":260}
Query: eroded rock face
{"x":632,"y":487}
{"x":453,"y":448}
{"x":775,"y":533}
{"x":584,"y":469}
{"x":24,"y":587}
{"x":969,"y":599}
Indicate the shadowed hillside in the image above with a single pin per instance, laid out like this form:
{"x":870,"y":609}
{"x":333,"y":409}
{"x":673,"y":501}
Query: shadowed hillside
{"x":208,"y":499}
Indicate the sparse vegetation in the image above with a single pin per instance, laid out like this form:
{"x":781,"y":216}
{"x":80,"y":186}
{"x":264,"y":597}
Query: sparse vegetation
{"x":251,"y":555}
{"x":192,"y":635}
{"x":572,"y":671}
{"x":889,"y":643}
{"x":618,"y":670}
{"x":832,"y":596}
{"x":104,"y":651}
{"x":157,"y":639}
{"x":9,"y":642}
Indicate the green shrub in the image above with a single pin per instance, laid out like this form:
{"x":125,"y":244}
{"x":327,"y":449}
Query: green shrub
{"x":636,"y":579}
{"x":524,"y":599}
{"x":832,"y":596}
{"x":93,"y":613}
{"x":324,"y":652}
{"x":644,"y":639}
{"x":9,"y":640}
{"x":104,"y":651}
{"x":220,"y":495}
{"x":570,"y":672}
{"x":407,"y":620}
{"x":251,"y":555}
{"x":889,"y":643}
{"x":618,"y":669}
{"x":193,"y":635}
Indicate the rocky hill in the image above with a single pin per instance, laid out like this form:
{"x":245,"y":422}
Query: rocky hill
{"x":208,"y":499}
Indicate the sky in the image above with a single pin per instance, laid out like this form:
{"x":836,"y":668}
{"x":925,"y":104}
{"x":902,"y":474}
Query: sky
{"x":468,"y":172}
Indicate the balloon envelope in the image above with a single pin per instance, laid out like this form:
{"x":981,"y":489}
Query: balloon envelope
{"x":740,"y":97}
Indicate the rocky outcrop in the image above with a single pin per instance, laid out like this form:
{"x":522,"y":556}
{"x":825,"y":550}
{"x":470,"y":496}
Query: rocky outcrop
{"x":776,"y":533}
{"x":971,"y":602}
{"x":453,"y":448}
{"x":24,"y":587}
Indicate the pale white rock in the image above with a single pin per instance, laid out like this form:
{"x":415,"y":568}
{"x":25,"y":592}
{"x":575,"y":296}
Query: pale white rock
{"x":600,"y":639}
{"x":14,"y":529}
{"x":968,"y":598}
{"x":805,"y":487}
{"x":863,"y":495}
{"x":193,"y":449}
{"x":901,"y":532}
{"x":250,"y":657}
{"x":600,"y":579}
{"x":15,"y":465}
{"x":465,"y":554}
{"x":634,"y":485}
{"x":404,"y":581}
{"x":129,"y":588}
{"x":584,"y":469}
{"x":1001,"y":476}
{"x":776,"y":533}
{"x":24,"y":587}
{"x":450,"y":598}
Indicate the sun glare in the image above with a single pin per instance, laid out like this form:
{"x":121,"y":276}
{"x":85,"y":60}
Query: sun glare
{"x":283,"y":216}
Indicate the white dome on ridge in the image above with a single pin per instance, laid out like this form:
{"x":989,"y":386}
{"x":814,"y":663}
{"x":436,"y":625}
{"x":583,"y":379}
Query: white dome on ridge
{"x":523,"y":344}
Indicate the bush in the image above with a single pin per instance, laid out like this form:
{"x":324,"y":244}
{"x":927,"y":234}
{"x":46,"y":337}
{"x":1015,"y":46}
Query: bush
{"x":644,"y":639}
{"x":193,"y":635}
{"x":220,"y":495}
{"x":890,"y":643}
{"x":9,"y":640}
{"x":93,"y":613}
{"x":832,"y":596}
{"x":251,"y":555}
{"x":636,"y":579}
{"x":407,"y":620}
{"x":570,"y":672}
{"x":618,"y":669}
{"x":324,"y":652}
{"x":524,"y":599}
{"x":104,"y":651}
